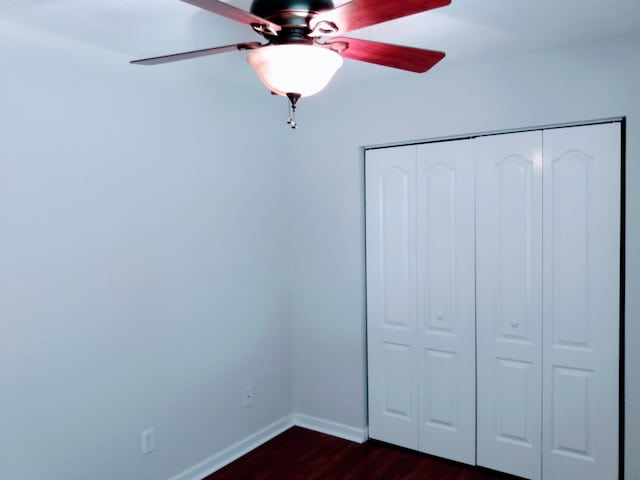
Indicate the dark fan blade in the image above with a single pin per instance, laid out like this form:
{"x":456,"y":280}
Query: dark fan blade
{"x":363,"y":13}
{"x":236,"y":14}
{"x":196,"y":53}
{"x":396,"y":56}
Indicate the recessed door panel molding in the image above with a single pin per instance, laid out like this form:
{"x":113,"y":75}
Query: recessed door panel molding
{"x":515,"y":220}
{"x":446,"y":299}
{"x":395,"y":255}
{"x":440,"y":368}
{"x":391,"y":287}
{"x":509,"y":302}
{"x":569,"y":415}
{"x":398,"y":369}
{"x":581,"y":302}
{"x":569,"y":184}
{"x":439,"y":197}
{"x":515,"y":418}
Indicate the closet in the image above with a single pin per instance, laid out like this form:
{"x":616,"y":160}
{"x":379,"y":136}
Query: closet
{"x":493,"y":289}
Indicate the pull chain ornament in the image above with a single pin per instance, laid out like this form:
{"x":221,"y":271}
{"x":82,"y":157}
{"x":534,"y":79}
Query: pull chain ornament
{"x":293,"y":101}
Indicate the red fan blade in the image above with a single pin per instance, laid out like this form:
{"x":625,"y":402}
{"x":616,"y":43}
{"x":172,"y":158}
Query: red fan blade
{"x":236,"y":14}
{"x":196,"y":53}
{"x":396,"y":56}
{"x":363,"y":13}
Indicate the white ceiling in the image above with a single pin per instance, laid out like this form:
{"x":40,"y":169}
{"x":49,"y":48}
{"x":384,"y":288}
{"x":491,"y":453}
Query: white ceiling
{"x":465,"y":30}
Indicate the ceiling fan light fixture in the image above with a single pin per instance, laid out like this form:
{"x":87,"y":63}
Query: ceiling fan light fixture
{"x":301,"y":69}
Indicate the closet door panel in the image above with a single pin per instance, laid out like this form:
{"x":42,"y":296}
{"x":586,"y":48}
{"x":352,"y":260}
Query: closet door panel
{"x":509,"y":303}
{"x":581,"y":302}
{"x":391,"y":286}
{"x":446,"y":299}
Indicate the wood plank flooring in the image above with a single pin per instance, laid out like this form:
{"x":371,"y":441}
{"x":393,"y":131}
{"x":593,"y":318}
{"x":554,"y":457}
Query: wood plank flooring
{"x":301,"y":454}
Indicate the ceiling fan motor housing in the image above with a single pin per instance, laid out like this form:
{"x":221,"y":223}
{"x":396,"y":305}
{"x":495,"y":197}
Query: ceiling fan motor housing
{"x":292,"y":15}
{"x":269,"y":8}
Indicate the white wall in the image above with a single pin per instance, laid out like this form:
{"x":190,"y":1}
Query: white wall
{"x":326,"y":177}
{"x":142,"y":244}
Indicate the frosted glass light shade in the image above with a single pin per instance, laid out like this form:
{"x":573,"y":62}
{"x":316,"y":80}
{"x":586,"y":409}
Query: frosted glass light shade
{"x":302,"y":69}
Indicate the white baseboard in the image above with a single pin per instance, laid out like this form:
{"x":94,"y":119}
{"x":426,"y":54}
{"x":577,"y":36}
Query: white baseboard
{"x":336,"y":429}
{"x":253,"y":441}
{"x":235,"y":451}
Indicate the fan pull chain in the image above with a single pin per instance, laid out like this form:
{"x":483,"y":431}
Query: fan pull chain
{"x":293,"y":101}
{"x":292,"y":117}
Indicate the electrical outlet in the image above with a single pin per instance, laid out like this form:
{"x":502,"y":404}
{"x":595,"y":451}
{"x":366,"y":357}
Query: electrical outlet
{"x":148,"y":439}
{"x":247,"y":395}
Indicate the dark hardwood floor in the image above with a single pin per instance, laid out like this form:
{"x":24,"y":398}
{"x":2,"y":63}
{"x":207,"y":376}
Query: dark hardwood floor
{"x":301,"y":454}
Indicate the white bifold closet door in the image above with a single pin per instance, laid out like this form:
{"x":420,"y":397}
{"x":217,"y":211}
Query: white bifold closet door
{"x":581,"y":279}
{"x":420,"y":297}
{"x":509,"y":302}
{"x":548,"y":283}
{"x":493,"y":300}
{"x":391,"y":295}
{"x":446,"y":300}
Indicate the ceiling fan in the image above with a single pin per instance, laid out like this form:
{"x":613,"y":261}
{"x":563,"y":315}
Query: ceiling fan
{"x":302,"y":50}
